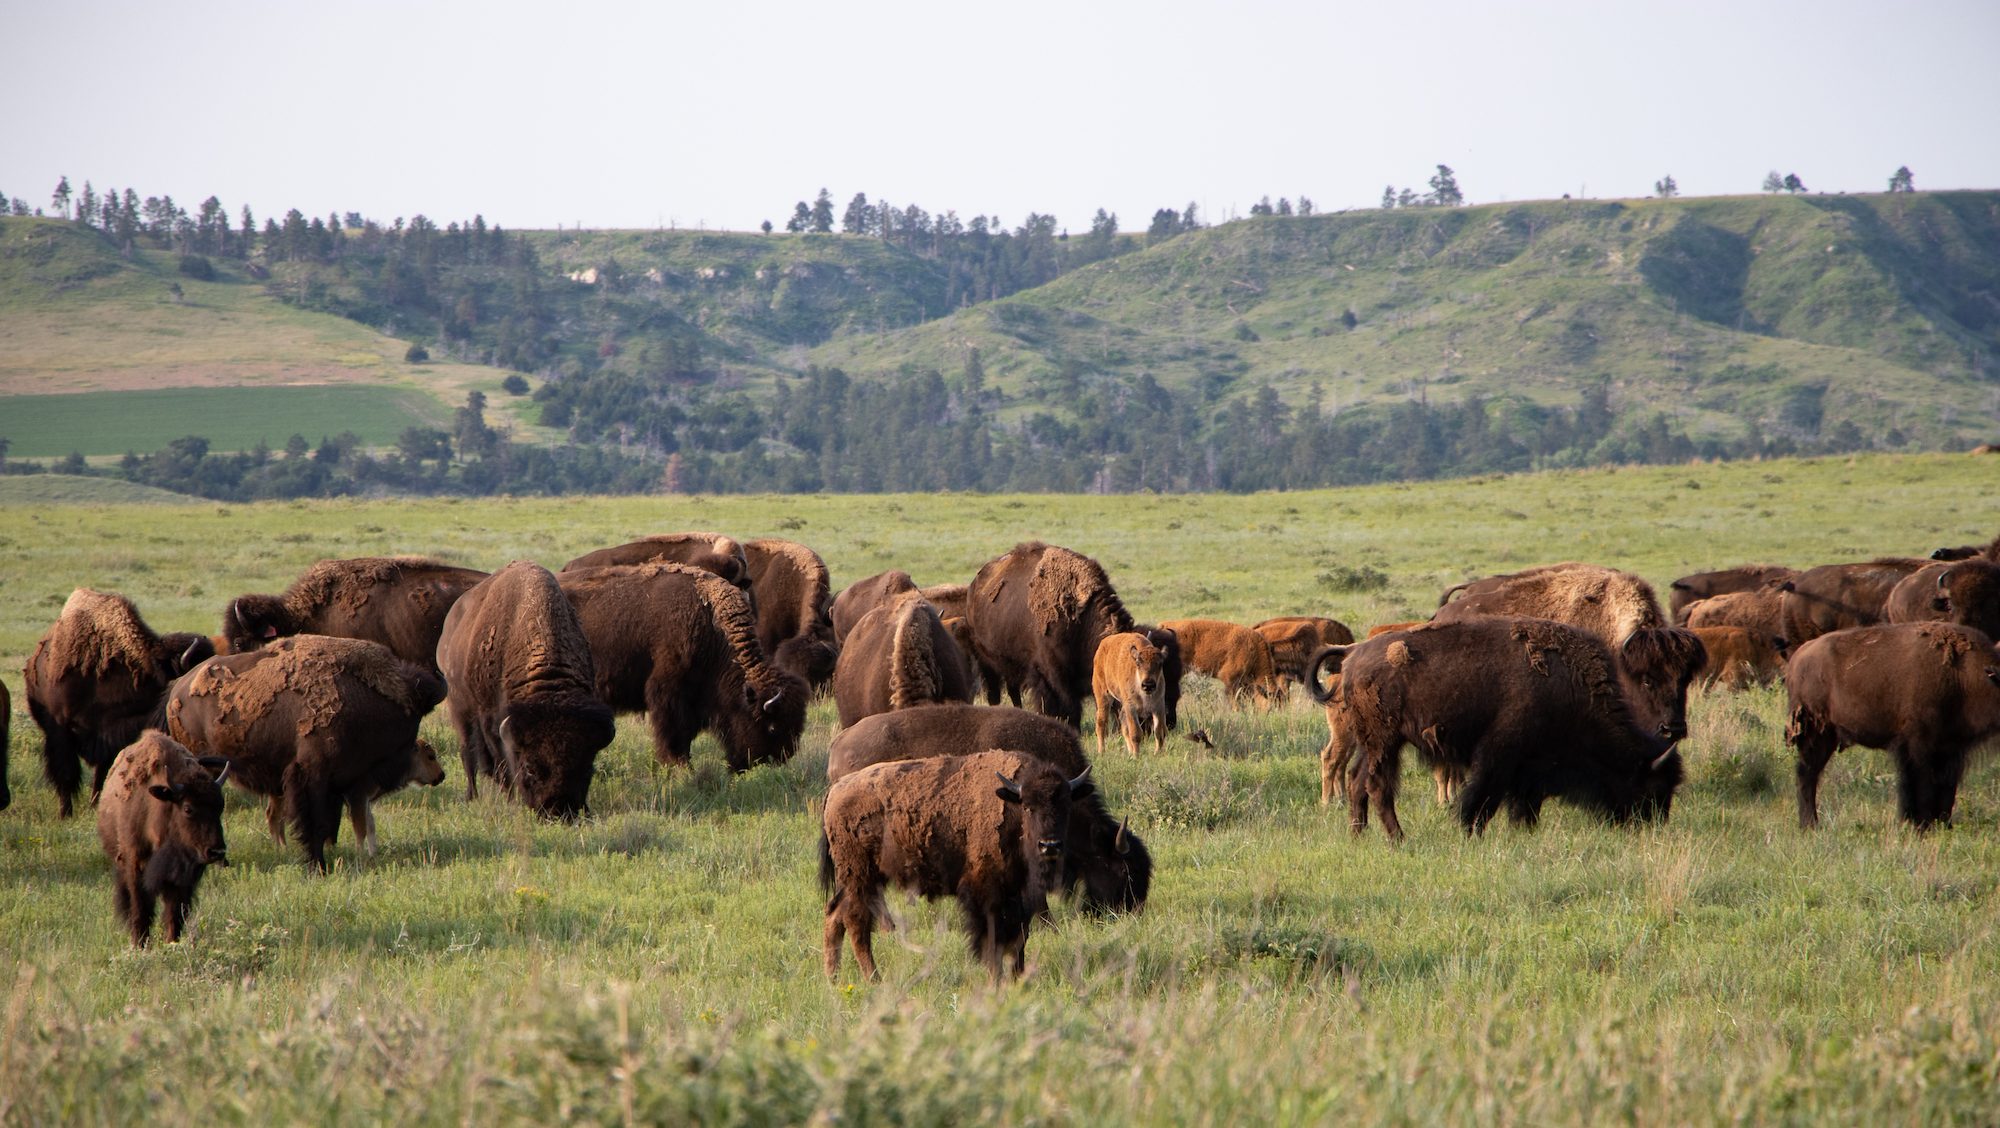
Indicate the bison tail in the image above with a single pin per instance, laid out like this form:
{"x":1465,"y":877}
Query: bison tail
{"x":825,"y":865}
{"x":1330,"y":659}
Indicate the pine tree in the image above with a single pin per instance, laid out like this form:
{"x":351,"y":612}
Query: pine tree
{"x":1902,"y":180}
{"x":1665,"y":188}
{"x":822,"y":213}
{"x":1388,"y":196}
{"x":1444,"y":188}
{"x":801,"y":218}
{"x":60,"y":198}
{"x":857,"y":218}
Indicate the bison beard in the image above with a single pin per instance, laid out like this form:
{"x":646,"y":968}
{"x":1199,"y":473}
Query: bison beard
{"x":942,"y":828}
{"x":1527,"y":708}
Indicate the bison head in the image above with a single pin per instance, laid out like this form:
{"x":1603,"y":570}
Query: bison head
{"x":1657,"y":663}
{"x":1044,"y":798}
{"x":1110,"y":862}
{"x":425,"y":767}
{"x":183,"y":651}
{"x":194,"y":819}
{"x":250,"y":621}
{"x":808,"y":657}
{"x":762,"y":722}
{"x":550,"y":749}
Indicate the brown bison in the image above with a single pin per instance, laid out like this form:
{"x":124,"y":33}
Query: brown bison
{"x":1988,"y":551}
{"x":862,"y":596}
{"x":1106,"y":860}
{"x":1834,"y":597}
{"x":1232,"y":654}
{"x":1927,"y":693}
{"x":6,"y":727}
{"x":94,"y":680}
{"x":710,"y":552}
{"x":1527,"y":708}
{"x":1619,"y":609}
{"x":897,"y":656}
{"x":160,"y":822}
{"x":680,"y":645}
{"x":320,"y":721}
{"x":1739,"y":658}
{"x":1128,"y":678}
{"x":1706,"y":585}
{"x":523,"y":690}
{"x":794,"y":607}
{"x":990,"y":829}
{"x":1295,"y":639}
{"x":397,"y":601}
{"x":949,"y":599}
{"x":1966,"y":592}
{"x":1335,"y":755}
{"x":1761,"y":612}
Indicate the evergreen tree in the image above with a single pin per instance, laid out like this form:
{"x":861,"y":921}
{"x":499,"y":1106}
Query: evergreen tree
{"x":60,"y":198}
{"x":1388,"y":196}
{"x":86,"y":205}
{"x":801,"y":218}
{"x":1665,"y":188}
{"x":858,"y":217}
{"x":1902,"y":180}
{"x":822,"y":213}
{"x":1444,"y":188}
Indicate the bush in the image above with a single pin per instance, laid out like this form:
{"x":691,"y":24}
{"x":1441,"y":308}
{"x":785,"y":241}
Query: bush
{"x":515,"y":384}
{"x":417,"y":354}
{"x":198,"y":268}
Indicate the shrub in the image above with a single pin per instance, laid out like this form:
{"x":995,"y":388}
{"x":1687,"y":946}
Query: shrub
{"x":417,"y":354}
{"x":515,"y":384}
{"x":198,"y":267}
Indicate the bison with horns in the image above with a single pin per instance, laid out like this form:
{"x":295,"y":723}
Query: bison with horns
{"x":397,"y":601}
{"x":160,"y":823}
{"x":794,"y":607}
{"x":1526,"y":709}
{"x":990,"y":829}
{"x":94,"y":680}
{"x":680,"y":644}
{"x":897,"y":656}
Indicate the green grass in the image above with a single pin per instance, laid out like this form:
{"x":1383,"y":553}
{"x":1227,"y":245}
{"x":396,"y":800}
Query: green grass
{"x":660,"y":963}
{"x":229,"y":418}
{"x":70,"y":489}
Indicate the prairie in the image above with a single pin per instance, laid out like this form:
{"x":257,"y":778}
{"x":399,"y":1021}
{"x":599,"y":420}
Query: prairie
{"x":659,"y":962}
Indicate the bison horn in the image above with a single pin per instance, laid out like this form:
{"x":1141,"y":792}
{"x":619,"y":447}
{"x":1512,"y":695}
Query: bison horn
{"x":189,"y":653}
{"x":773,"y":700}
{"x":223,"y":774}
{"x":1009,"y":784}
{"x":1941,"y":578}
{"x":1081,"y":780}
{"x":1118,"y":842}
{"x":1660,"y":759}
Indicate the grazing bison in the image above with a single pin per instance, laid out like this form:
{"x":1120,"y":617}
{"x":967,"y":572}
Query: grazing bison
{"x":1295,"y":639}
{"x":1232,"y":654}
{"x":990,"y":829}
{"x":1761,"y":612}
{"x":680,"y":645}
{"x":1966,"y":592}
{"x":1739,"y":658}
{"x":897,"y":656}
{"x":1128,"y":678}
{"x":710,"y":552}
{"x":94,"y":679}
{"x":397,"y":601}
{"x":1335,"y":754}
{"x":316,"y":720}
{"x":863,"y":596}
{"x":1927,"y":693}
{"x":1106,"y":860}
{"x":160,"y":822}
{"x":523,"y":690}
{"x":1527,"y":708}
{"x":1834,"y":597}
{"x":1706,"y":585}
{"x":794,"y":608}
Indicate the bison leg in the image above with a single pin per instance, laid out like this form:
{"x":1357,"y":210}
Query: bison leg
{"x":274,"y":817}
{"x":1128,"y":726}
{"x":61,"y":759}
{"x":1104,"y":718}
{"x":315,"y":815}
{"x":1815,"y":747}
{"x":178,"y":905}
{"x":673,"y":734}
{"x":361,"y":815}
{"x":472,"y":755}
{"x":141,"y":919}
{"x":1332,"y":760}
{"x":1479,"y":800}
{"x":1926,"y":792}
{"x":1946,"y":774}
{"x":1524,"y":810}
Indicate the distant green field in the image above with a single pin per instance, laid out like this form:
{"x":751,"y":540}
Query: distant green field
{"x":229,"y":418}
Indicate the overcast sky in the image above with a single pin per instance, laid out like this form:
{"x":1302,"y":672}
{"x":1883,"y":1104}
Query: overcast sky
{"x":723,"y":114}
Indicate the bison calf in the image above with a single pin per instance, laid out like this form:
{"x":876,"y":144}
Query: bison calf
{"x":160,"y":822}
{"x":1232,"y":654}
{"x":1739,"y":658}
{"x":1128,"y":678}
{"x":1927,"y":693}
{"x":990,"y":829}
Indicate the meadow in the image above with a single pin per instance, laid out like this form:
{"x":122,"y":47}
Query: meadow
{"x":660,"y":961}
{"x":112,"y":423}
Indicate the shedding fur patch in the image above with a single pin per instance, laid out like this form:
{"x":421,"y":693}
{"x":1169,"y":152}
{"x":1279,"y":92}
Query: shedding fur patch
{"x":1064,"y":585}
{"x":1588,"y":662}
{"x":1955,"y":645}
{"x":98,"y":628}
{"x":348,"y":583}
{"x":311,"y":667}
{"x":1399,"y":654}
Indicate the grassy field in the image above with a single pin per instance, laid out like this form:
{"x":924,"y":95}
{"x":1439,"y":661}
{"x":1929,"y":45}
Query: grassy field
{"x":97,"y":423}
{"x":660,"y":962}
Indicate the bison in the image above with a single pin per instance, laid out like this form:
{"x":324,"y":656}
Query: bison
{"x":1988,"y":551}
{"x":1127,"y":677}
{"x":1760,"y":612}
{"x":1966,"y":592}
{"x":1106,"y":860}
{"x":1526,"y":708}
{"x":794,"y":605}
{"x":1927,"y":693}
{"x":6,"y":727}
{"x":94,"y":680}
{"x":710,"y":552}
{"x":316,"y":720}
{"x":949,"y":599}
{"x":523,"y":690}
{"x":1834,"y":597}
{"x":990,"y":829}
{"x":1706,"y":585}
{"x":1335,"y":754}
{"x":1235,"y":655}
{"x":1739,"y":658}
{"x":897,"y":656}
{"x":863,"y":596}
{"x":397,"y":601}
{"x":1295,"y":639}
{"x":680,"y":644}
{"x":160,"y":822}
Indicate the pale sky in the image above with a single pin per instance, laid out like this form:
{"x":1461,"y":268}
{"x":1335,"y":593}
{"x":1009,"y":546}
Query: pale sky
{"x":723,"y":114}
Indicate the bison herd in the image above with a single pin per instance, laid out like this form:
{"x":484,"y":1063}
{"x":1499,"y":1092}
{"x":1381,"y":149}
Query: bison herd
{"x":1566,"y":681}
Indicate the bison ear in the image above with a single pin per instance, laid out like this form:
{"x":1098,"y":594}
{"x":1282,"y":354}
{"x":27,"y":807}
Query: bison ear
{"x":165,"y":794}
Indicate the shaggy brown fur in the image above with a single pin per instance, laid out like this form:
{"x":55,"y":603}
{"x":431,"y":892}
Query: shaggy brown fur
{"x":989,"y":829}
{"x":1760,"y":612}
{"x":863,"y":596}
{"x":1128,"y":678}
{"x":1834,"y":597}
{"x":160,"y":823}
{"x":397,"y":601}
{"x":1707,"y":585}
{"x":1528,"y":708}
{"x":710,"y":552}
{"x":680,"y":645}
{"x":1037,"y":615}
{"x":1334,"y":755}
{"x":949,"y":599}
{"x":96,"y":676}
{"x":1966,"y":592}
{"x":1295,"y":639}
{"x":1928,"y":693}
{"x":320,"y":721}
{"x":523,"y":690}
{"x":1106,"y":860}
{"x":898,"y":656}
{"x":794,"y":607}
{"x":1738,"y":658}
{"x":1232,"y":654}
